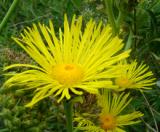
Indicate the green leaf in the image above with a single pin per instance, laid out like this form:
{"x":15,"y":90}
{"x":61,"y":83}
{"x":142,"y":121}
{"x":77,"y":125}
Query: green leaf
{"x":78,"y":99}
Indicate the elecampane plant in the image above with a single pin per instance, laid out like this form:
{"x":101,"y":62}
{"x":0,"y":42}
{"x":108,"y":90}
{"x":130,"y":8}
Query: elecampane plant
{"x":69,"y":63}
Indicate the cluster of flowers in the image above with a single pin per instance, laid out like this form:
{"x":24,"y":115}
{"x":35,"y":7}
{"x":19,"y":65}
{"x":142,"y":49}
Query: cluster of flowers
{"x":81,"y":59}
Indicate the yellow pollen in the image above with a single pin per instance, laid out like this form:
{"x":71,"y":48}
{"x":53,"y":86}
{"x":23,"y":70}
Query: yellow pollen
{"x":108,"y":122}
{"x":123,"y":82}
{"x":67,"y":74}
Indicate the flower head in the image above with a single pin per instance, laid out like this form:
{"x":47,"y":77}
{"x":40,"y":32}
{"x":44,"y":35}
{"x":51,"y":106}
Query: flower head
{"x":112,"y":106}
{"x":69,"y":63}
{"x":135,"y":76}
{"x":111,"y":118}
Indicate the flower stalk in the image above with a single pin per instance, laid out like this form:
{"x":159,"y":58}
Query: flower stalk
{"x":68,"y":109}
{"x":8,"y":14}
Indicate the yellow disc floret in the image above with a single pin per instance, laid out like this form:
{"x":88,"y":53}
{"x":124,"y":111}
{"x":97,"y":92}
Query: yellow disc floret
{"x":67,"y":74}
{"x":123,"y":82}
{"x":108,"y":121}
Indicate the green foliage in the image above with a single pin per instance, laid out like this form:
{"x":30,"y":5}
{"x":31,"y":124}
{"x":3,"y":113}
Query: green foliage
{"x":16,"y":118}
{"x":141,"y":18}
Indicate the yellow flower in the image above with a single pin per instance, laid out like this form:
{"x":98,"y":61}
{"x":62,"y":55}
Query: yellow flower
{"x":71,"y":62}
{"x":135,"y":76}
{"x":110,"y":118}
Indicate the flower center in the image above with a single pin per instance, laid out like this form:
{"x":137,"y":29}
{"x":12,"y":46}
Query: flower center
{"x":108,"y":122}
{"x":67,"y":74}
{"x":123,"y":82}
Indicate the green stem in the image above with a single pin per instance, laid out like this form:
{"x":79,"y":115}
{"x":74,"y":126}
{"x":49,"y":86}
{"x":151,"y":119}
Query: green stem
{"x":119,"y":20}
{"x":111,"y":18}
{"x":8,"y":14}
{"x":68,"y":109}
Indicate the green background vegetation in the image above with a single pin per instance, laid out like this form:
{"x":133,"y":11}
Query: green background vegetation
{"x":141,"y":17}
